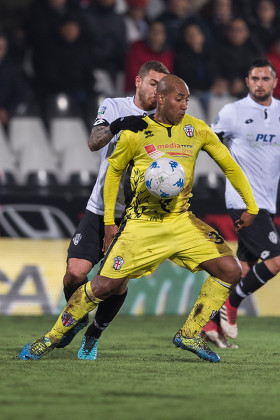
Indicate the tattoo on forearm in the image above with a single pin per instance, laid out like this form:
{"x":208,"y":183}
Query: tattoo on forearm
{"x":99,"y":137}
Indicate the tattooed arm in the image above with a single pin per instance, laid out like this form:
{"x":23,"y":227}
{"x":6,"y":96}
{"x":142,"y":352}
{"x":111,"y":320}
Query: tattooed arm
{"x":99,"y":137}
{"x":102,"y":133}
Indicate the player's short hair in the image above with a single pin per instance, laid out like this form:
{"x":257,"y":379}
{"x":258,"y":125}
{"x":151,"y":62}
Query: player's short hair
{"x":262,"y":62}
{"x":152,"y":65}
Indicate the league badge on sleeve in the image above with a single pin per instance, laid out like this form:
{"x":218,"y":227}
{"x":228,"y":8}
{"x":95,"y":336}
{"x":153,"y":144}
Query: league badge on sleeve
{"x":189,"y":129}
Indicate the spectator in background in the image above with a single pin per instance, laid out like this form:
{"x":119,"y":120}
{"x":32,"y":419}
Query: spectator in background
{"x":174,"y":18}
{"x":196,"y":62}
{"x":273,"y":56}
{"x":235,"y":53}
{"x":108,"y":34}
{"x":218,"y":14}
{"x":67,"y":65}
{"x":135,"y":20}
{"x":12,"y":91}
{"x":41,"y":27}
{"x":152,"y":48}
{"x":265,"y":22}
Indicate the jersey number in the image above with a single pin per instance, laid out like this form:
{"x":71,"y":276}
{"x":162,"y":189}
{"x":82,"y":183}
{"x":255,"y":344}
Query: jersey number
{"x":216,"y":238}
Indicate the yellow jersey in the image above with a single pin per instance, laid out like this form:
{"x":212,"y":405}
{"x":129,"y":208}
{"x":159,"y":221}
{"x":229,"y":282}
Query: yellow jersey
{"x":181,"y":142}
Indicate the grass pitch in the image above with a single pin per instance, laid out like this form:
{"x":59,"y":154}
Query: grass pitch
{"x":140,"y":375}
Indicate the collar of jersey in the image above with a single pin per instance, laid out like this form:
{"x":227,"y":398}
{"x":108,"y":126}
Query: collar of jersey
{"x":159,"y":123}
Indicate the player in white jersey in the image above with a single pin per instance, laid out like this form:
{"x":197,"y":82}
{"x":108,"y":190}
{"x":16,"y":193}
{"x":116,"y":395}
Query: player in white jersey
{"x":252,"y":127}
{"x":86,"y":246}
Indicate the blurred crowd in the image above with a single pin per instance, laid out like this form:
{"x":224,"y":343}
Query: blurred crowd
{"x":86,"y":48}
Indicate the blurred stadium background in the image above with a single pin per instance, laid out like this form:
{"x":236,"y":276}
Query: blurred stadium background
{"x":47,"y":172}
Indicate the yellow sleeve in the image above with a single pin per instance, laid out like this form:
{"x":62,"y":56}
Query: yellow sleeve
{"x":231,"y":169}
{"x":117,"y":164}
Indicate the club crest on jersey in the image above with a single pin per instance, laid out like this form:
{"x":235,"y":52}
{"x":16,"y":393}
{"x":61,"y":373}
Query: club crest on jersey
{"x":189,"y":129}
{"x":67,"y":320}
{"x":118,"y":262}
{"x":77,"y":238}
{"x":153,"y":152}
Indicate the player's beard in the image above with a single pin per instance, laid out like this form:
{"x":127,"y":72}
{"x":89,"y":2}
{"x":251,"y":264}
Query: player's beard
{"x":261,"y":98}
{"x":146,"y":104}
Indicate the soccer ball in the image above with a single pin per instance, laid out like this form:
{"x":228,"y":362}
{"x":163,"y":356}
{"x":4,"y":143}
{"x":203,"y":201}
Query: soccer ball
{"x":165,"y":178}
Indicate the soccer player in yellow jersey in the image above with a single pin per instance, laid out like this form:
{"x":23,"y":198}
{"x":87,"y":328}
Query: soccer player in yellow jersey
{"x":154,"y":229}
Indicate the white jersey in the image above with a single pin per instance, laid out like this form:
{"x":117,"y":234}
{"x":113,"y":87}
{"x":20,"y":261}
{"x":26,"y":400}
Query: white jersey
{"x":253,"y":131}
{"x":110,"y":110}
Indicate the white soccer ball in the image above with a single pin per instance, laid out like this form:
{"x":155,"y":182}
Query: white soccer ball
{"x":165,"y":178}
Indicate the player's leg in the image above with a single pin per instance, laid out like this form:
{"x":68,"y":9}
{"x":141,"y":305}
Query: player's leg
{"x":84,"y":252}
{"x":81,"y":303}
{"x":261,"y":240}
{"x":213,"y":333}
{"x":106,"y":312}
{"x":75,"y":276}
{"x":213,"y":294}
{"x":207,"y":250}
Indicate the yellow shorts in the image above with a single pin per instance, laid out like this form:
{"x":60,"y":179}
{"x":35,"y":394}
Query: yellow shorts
{"x":141,"y":246}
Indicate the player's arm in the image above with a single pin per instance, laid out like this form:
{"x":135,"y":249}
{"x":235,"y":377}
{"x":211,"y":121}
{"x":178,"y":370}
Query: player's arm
{"x":117,"y":164}
{"x":225,"y":121}
{"x":102,"y":132}
{"x":235,"y":175}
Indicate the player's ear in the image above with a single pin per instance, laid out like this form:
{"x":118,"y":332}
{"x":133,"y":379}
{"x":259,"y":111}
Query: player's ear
{"x":275,"y":82}
{"x":137,"y":81}
{"x":160,"y":98}
{"x":247,"y":81}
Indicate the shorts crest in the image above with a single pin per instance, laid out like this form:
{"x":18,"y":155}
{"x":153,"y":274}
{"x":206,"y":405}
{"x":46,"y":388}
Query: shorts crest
{"x":77,"y":238}
{"x":118,"y":262}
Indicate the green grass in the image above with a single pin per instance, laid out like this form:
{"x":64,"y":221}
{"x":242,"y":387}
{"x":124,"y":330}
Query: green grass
{"x":140,"y":375}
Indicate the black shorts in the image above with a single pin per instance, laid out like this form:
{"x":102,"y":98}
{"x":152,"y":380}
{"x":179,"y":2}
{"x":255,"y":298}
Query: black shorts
{"x":87,"y":241}
{"x":260,"y":240}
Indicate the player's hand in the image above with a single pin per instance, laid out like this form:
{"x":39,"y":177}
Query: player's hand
{"x":246,"y":219}
{"x":110,"y":231}
{"x":133,"y":123}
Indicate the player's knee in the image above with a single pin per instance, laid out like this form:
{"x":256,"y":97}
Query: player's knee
{"x":234,"y":271}
{"x":104,"y":287}
{"x":274,"y":265}
{"x":73,"y":276}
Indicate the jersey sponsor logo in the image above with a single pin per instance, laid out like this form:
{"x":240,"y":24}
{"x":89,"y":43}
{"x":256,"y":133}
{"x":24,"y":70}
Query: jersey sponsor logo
{"x":152,"y":151}
{"x":99,"y":121}
{"x":249,"y":121}
{"x":118,"y":262}
{"x":266,"y":138}
{"x":273,"y":237}
{"x":67,"y":320}
{"x":189,"y":129}
{"x":77,"y":238}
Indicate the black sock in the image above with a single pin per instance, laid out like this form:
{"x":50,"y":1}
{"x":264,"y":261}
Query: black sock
{"x":69,"y":290}
{"x":216,"y":318}
{"x":256,"y":277}
{"x":106,"y":312}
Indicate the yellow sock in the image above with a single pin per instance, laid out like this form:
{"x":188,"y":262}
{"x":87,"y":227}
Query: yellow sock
{"x":80,"y":303}
{"x":213,"y":294}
